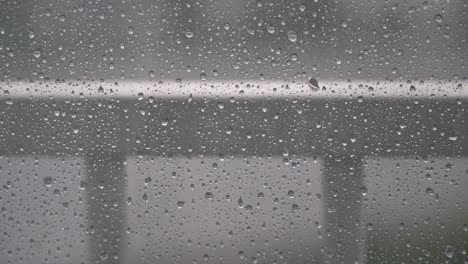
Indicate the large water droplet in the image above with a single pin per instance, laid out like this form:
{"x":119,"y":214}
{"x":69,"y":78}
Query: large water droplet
{"x":313,"y":84}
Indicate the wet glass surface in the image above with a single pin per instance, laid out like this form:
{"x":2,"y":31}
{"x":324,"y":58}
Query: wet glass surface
{"x":233,"y":131}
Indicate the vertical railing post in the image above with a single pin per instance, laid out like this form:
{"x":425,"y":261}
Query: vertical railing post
{"x":106,"y":207}
{"x":343,"y":190}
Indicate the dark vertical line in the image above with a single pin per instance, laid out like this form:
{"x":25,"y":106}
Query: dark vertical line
{"x":342,"y":191}
{"x":106,"y":208}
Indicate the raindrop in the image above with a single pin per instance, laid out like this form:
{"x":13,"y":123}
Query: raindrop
{"x":203,"y":76}
{"x":104,"y":256}
{"x":313,"y":84}
{"x":47,"y":180}
{"x":240,"y":202}
{"x":438,"y":18}
{"x":209,"y":195}
{"x":37,"y":54}
{"x":449,"y":252}
{"x":271,"y":29}
{"x":295,"y":207}
{"x":188,"y":34}
{"x":363,"y":190}
{"x":430,"y":191}
{"x":180,"y":204}
{"x":291,"y":193}
{"x":147,"y":180}
{"x":292,"y":36}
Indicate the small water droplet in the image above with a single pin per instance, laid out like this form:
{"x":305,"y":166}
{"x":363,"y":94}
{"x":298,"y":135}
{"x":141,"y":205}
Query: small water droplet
{"x":37,"y":54}
{"x":240,"y":202}
{"x":47,"y":180}
{"x":291,"y":193}
{"x":203,"y":77}
{"x":430,"y":191}
{"x":189,"y":34}
{"x":147,"y":180}
{"x":338,"y":60}
{"x":292,"y":36}
{"x":438,"y":18}
{"x":313,"y":84}
{"x":180,"y":204}
{"x":104,"y":256}
{"x":271,"y":29}
{"x":295,"y":207}
{"x":449,"y":251}
{"x":209,"y":195}
{"x":363,"y":190}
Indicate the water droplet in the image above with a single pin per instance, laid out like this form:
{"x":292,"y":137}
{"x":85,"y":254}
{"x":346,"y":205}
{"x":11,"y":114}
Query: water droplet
{"x":412,"y":88}
{"x":227,"y":26}
{"x":295,"y":207}
{"x":188,"y":34}
{"x":37,"y":54}
{"x":453,"y":136}
{"x":209,"y":195}
{"x":313,"y":84}
{"x":302,"y":8}
{"x":47,"y":180}
{"x":449,"y":252}
{"x":180,"y":204}
{"x":151,"y":74}
{"x":338,"y":60}
{"x":430,"y":191}
{"x":438,"y":18}
{"x":291,"y":193}
{"x":147,"y":180}
{"x":100,"y":90}
{"x":363,"y":190}
{"x":292,"y":36}
{"x":271,"y":29}
{"x":104,"y":256}
{"x":203,"y":76}
{"x":240,"y":202}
